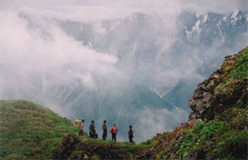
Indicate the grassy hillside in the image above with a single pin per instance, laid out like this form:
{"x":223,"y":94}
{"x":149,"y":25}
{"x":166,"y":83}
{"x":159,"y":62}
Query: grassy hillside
{"x":213,"y":140}
{"x":221,"y":131}
{"x":30,"y":131}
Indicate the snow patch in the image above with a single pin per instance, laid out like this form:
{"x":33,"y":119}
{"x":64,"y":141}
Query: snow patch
{"x":224,"y":18}
{"x":205,"y":18}
{"x":235,"y":13}
{"x":195,"y":32}
{"x":235,"y":17}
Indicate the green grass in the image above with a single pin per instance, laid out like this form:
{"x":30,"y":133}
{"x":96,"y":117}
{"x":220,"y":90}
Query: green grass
{"x":131,"y":147}
{"x":30,"y":131}
{"x":240,"y":67}
{"x":218,"y":140}
{"x":234,"y":78}
{"x":214,"y":139}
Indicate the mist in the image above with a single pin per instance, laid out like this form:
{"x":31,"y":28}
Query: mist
{"x":85,"y":59}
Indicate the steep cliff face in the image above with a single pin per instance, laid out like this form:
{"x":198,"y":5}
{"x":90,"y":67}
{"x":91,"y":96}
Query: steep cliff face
{"x":225,"y":88}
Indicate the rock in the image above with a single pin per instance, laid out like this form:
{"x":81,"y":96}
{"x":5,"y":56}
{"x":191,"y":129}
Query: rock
{"x":218,"y":92}
{"x":65,"y":149}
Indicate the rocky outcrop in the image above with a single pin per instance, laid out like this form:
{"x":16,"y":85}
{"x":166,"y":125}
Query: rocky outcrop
{"x":220,"y":90}
{"x":67,"y":147}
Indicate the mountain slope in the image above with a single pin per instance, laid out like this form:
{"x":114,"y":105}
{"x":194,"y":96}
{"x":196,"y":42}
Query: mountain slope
{"x":30,"y":131}
{"x":180,"y":94}
{"x":226,"y":88}
{"x":217,"y":126}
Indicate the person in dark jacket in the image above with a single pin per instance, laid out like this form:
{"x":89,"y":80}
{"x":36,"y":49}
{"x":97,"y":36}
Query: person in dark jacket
{"x":92,"y":130}
{"x":130,"y":134}
{"x":105,"y":130}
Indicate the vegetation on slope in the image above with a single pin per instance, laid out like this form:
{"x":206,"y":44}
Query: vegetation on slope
{"x":30,"y":131}
{"x":233,"y":86}
{"x":213,"y":140}
{"x":74,"y":147}
{"x":219,"y":133}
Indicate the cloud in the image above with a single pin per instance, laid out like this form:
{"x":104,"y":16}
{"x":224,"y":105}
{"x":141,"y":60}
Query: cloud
{"x":227,"y":6}
{"x":151,"y":122}
{"x":46,"y":50}
{"x":94,"y":10}
{"x":26,"y":51}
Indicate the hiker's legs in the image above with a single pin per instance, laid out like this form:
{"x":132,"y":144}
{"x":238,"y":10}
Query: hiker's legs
{"x":130,"y":139}
{"x":91,"y":135}
{"x":81,"y":133}
{"x":104,"y":135}
{"x":113,"y":136}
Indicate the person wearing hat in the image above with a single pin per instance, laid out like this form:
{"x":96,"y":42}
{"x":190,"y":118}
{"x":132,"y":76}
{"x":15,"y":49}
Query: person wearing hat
{"x":77,"y":121}
{"x":105,"y":130}
{"x":114,"y":132}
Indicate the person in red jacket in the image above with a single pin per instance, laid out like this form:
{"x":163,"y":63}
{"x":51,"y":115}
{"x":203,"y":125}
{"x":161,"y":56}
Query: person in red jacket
{"x":114,"y":132}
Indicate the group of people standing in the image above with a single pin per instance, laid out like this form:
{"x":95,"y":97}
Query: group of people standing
{"x":93,"y":134}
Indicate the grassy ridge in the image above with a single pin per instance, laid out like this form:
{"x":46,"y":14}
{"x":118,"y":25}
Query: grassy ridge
{"x":30,"y":131}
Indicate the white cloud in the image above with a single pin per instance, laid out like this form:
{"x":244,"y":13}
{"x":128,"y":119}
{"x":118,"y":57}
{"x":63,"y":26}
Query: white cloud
{"x":151,"y":122}
{"x":26,"y":51}
{"x":108,"y":9}
{"x":226,"y":6}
